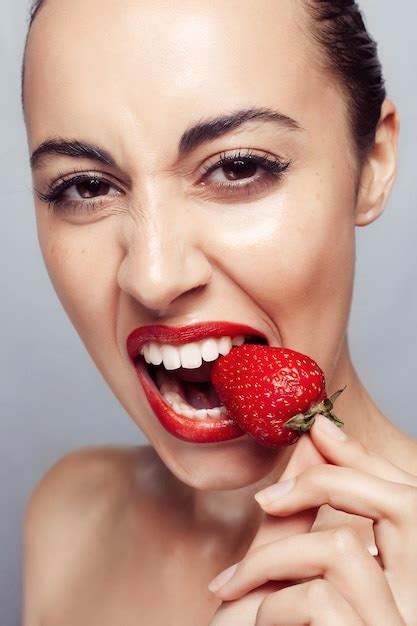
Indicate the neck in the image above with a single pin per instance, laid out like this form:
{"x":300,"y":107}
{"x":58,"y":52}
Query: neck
{"x":364,"y":421}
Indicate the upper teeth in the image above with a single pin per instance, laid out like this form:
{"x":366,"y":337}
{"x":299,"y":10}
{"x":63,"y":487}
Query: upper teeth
{"x":189,"y":355}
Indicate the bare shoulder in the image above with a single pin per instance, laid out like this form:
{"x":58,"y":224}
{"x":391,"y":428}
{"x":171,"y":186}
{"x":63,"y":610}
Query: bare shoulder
{"x":77,"y":510}
{"x":91,"y":470}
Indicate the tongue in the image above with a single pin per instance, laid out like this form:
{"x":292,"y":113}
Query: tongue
{"x":198,"y":390}
{"x":201,"y":395}
{"x":199,"y":375}
{"x":195,"y":384}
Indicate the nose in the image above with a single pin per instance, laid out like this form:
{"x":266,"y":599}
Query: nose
{"x":164,"y":263}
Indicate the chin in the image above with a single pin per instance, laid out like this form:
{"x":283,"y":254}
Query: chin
{"x":222,"y":466}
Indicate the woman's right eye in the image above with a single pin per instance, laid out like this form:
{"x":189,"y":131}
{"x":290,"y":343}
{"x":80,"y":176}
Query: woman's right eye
{"x":83,"y":193}
{"x":91,"y":188}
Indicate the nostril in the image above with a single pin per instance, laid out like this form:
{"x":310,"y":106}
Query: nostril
{"x":191,"y":292}
{"x":196,"y":290}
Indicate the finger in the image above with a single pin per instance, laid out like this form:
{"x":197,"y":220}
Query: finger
{"x":392,"y":506}
{"x":316,"y":603}
{"x":305,"y":455}
{"x":242,"y":612}
{"x":337,"y":555}
{"x":351,"y":453}
{"x":342,"y":488}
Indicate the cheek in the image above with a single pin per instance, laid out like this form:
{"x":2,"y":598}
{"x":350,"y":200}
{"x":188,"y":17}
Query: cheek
{"x":82,"y":263}
{"x":296,"y":263}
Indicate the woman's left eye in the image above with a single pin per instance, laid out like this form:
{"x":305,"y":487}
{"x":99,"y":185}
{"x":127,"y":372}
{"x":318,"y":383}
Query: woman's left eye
{"x":248,"y":171}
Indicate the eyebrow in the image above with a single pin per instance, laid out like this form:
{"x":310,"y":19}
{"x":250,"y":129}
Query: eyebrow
{"x":202,"y":132}
{"x":73,"y":149}
{"x":207,"y":130}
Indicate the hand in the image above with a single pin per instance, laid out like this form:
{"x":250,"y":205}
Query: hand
{"x":351,"y":588}
{"x":242,"y":612}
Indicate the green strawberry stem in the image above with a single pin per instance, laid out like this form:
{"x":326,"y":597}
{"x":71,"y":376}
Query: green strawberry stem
{"x":304,"y":421}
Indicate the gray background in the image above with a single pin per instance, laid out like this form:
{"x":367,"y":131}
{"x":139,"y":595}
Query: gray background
{"x":42,"y":417}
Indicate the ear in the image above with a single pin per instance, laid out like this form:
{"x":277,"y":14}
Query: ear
{"x":380,"y":168}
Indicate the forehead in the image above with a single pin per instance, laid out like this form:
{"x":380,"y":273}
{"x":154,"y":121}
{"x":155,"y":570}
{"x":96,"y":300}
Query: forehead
{"x":154,"y":66}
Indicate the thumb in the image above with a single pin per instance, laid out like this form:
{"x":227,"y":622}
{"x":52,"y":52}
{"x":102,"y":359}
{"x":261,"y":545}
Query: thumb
{"x":272,"y":528}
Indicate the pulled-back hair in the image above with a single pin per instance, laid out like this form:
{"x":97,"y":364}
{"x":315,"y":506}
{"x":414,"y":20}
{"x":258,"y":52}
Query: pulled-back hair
{"x":36,"y":5}
{"x":348,"y":53}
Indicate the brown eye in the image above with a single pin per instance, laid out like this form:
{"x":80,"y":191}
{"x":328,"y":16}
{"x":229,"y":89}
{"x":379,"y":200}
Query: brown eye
{"x":92,"y":188}
{"x":239,"y":169}
{"x":81,"y":193}
{"x":243,"y":172}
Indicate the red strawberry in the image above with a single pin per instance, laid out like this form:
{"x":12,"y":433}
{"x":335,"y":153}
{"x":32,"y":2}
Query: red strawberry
{"x":271,"y":393}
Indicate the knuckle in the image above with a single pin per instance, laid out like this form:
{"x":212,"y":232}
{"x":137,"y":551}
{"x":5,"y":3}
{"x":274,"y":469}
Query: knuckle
{"x":343,"y":541}
{"x":317,"y":475}
{"x":317,"y":472}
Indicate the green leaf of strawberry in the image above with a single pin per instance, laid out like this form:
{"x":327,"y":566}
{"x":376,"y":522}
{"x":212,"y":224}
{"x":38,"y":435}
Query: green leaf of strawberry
{"x":273,"y":394}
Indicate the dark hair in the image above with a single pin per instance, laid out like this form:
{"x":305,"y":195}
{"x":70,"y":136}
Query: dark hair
{"x":349,"y":53}
{"x":36,"y":5}
{"x":34,"y":9}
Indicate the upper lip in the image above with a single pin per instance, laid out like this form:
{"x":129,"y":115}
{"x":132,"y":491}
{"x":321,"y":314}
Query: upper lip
{"x":184,"y":334}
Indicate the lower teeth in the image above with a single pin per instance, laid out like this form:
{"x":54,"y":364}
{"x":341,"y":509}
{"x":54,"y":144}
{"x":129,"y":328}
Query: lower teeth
{"x":171,"y":392}
{"x":198,"y":413}
{"x":177,"y":402}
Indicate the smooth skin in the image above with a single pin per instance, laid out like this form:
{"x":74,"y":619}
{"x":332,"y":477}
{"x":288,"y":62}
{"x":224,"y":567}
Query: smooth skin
{"x":128,"y":534}
{"x":345,"y":584}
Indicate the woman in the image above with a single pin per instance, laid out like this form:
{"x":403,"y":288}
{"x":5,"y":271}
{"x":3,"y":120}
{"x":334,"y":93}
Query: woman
{"x":199,"y":171}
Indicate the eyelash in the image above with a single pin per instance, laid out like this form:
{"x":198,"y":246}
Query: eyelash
{"x":274,"y":169}
{"x":273,"y":166}
{"x":53,"y":197}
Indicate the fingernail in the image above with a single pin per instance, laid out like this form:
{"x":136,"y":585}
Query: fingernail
{"x":224,"y":577}
{"x":372,"y":549}
{"x":328,"y":428}
{"x":268,"y":495}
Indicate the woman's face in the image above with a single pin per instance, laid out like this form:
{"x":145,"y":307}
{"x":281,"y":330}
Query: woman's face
{"x":172,"y":236}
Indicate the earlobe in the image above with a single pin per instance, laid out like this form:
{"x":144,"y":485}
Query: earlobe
{"x":380,"y":168}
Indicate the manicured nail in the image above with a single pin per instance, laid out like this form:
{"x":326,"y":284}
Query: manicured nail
{"x":224,"y":577}
{"x":327,"y":427}
{"x":268,"y":495}
{"x":372,"y":549}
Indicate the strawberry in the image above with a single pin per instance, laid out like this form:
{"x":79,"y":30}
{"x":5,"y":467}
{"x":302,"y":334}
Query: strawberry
{"x":272,"y":393}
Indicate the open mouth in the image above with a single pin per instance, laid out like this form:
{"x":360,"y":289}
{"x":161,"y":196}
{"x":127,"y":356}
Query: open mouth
{"x":189,"y":390}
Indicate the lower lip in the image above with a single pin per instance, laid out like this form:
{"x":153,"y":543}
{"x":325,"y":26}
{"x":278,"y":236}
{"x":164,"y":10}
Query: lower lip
{"x":209,"y":430}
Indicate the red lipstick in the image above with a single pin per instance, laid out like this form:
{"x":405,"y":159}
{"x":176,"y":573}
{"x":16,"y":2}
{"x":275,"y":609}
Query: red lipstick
{"x":207,"y":430}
